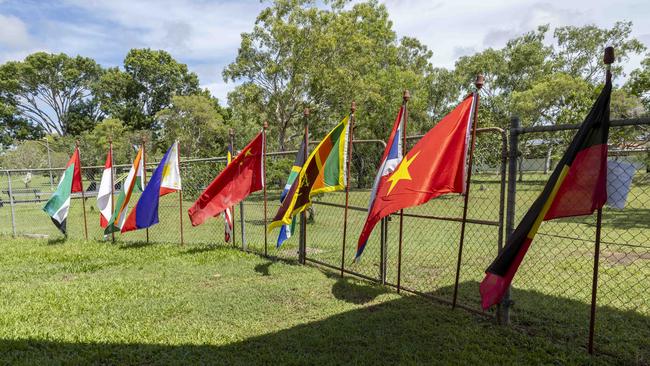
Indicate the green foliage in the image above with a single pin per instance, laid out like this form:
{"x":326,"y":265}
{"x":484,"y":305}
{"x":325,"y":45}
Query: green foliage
{"x":45,"y":88}
{"x":639,"y":83}
{"x":32,"y":154}
{"x":196,"y":123}
{"x":145,"y":87}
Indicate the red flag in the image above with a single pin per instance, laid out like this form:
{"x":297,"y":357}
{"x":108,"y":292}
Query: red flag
{"x":433,"y":167}
{"x":243,"y":176}
{"x":76,"y":177}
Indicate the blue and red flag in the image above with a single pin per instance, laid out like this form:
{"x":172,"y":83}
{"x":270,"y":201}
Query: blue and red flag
{"x":165,"y":179}
{"x":389,"y":161}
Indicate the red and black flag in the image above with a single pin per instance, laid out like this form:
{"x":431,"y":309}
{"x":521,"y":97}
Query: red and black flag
{"x":578,"y":186}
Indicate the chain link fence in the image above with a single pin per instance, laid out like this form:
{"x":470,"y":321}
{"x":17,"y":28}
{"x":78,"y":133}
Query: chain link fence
{"x":551,"y":292}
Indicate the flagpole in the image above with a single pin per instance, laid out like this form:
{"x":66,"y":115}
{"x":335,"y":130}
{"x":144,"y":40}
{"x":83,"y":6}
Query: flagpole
{"x":110,"y":149}
{"x":144,"y":174}
{"x":353,"y":109}
{"x":180,"y":192}
{"x":479,"y":84}
{"x":608,"y":59}
{"x":232,"y":208}
{"x":83,"y":196}
{"x":405,"y":100}
{"x":302,"y":245}
{"x":264,"y":127}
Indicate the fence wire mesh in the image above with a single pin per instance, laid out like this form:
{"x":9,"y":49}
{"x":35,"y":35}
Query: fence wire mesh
{"x":551,"y":291}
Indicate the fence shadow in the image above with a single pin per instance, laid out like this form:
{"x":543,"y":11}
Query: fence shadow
{"x":622,"y":335}
{"x":409,"y":329}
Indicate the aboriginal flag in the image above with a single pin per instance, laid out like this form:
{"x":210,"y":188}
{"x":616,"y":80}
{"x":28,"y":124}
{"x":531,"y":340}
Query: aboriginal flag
{"x":578,"y":186}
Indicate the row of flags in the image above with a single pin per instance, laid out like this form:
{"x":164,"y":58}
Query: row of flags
{"x":436,"y":165}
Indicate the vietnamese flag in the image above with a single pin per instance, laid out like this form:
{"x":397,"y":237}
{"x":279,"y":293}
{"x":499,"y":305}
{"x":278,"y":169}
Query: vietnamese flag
{"x":578,"y":186}
{"x":243,"y":176}
{"x":434,"y":166}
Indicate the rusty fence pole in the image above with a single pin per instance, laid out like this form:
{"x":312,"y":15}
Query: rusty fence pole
{"x":503,"y":310}
{"x":231,"y":133}
{"x":266,"y":236}
{"x":405,"y":99}
{"x":608,"y":60}
{"x":144,"y":173}
{"x":302,"y":240}
{"x":479,"y":84}
{"x":83,"y":196}
{"x":353,"y":108}
{"x":110,"y":149}
{"x":180,"y":192}
{"x":11,"y":204}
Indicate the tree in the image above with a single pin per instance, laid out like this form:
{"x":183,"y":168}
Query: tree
{"x":45,"y":87}
{"x":639,"y":83}
{"x":299,"y":55}
{"x":196,"y":123}
{"x":146,"y":86}
{"x":15,"y":128}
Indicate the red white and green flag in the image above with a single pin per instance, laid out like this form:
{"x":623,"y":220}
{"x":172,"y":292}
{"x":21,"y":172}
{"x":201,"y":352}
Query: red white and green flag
{"x":59,"y":204}
{"x":105,"y":192}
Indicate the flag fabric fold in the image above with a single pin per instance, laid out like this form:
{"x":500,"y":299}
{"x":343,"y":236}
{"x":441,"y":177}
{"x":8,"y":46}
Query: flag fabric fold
{"x":134,"y":179}
{"x":59,"y":204}
{"x":243,"y":176}
{"x":165,"y":179}
{"x":105,"y":192}
{"x":436,"y":165}
{"x":286,"y":231}
{"x":324,"y":171}
{"x":578,"y":186}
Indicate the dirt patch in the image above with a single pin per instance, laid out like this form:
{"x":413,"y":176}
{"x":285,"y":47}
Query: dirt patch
{"x":624,"y":259}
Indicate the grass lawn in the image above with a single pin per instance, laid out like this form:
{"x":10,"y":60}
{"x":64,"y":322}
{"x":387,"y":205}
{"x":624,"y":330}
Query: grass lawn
{"x":76,"y":303}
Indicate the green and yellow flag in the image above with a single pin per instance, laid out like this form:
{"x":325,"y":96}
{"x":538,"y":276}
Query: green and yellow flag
{"x":324,"y":171}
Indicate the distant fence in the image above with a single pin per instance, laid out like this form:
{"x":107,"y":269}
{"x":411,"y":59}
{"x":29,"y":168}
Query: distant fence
{"x":553,"y":286}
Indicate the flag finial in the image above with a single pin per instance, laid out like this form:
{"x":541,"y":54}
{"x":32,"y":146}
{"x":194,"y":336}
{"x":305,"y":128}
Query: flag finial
{"x":480,"y":80}
{"x":406,"y":95}
{"x":265,"y":124}
{"x":231,"y":132}
{"x":353,"y":107}
{"x":608,"y":58}
{"x":305,"y":112}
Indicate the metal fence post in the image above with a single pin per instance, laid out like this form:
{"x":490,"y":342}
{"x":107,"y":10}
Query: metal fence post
{"x":503,"y":312}
{"x":11,"y":203}
{"x":383,"y":236}
{"x":242,"y":226}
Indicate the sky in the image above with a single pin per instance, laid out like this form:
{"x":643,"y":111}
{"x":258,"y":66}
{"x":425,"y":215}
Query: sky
{"x":205,"y":34}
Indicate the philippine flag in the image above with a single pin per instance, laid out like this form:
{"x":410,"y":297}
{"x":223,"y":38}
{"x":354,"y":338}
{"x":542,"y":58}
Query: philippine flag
{"x":391,"y":158}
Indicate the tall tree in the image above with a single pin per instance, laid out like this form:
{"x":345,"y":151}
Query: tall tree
{"x":146,"y":86}
{"x":46,"y":87}
{"x":299,"y":54}
{"x":639,"y":83}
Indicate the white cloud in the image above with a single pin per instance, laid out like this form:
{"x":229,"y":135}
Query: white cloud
{"x":13,"y":32}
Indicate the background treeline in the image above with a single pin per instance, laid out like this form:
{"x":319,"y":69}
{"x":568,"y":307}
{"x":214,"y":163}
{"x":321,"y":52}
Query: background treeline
{"x":299,"y":55}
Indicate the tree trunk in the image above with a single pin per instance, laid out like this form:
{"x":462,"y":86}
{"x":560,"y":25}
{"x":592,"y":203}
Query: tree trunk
{"x":547,"y":161}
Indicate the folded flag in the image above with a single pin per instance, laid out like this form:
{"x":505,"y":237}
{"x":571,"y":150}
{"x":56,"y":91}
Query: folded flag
{"x":436,"y":165}
{"x":165,"y":179}
{"x":389,"y":161}
{"x":578,"y":186}
{"x":286,"y":231}
{"x":105,"y":192}
{"x":133,"y":179}
{"x":324,"y":171}
{"x":59,"y":204}
{"x":227,"y":213}
{"x":243,"y":176}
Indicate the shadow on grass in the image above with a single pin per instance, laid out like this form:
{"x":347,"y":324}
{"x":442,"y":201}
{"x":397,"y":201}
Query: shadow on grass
{"x":263,"y":268}
{"x":409,"y":330}
{"x":201,"y":249}
{"x":56,"y":241}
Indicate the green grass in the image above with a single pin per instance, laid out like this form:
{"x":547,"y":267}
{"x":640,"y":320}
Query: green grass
{"x":552,"y":288}
{"x":80,"y":302}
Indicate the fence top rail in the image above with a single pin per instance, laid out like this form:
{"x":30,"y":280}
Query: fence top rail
{"x":565,"y":127}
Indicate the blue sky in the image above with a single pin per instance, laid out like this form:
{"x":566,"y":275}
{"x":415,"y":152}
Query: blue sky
{"x":205,"y":34}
